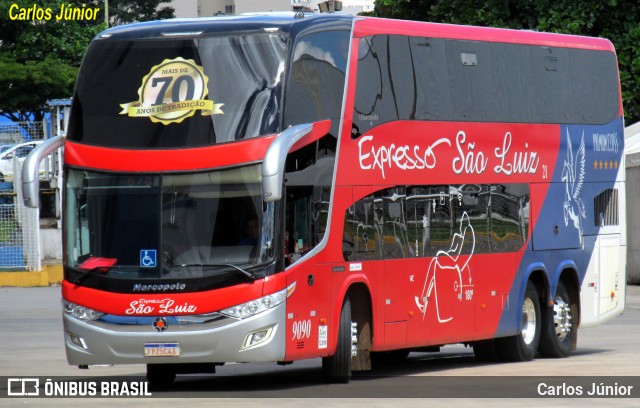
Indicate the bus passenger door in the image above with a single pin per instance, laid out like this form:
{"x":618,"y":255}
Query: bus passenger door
{"x":403,"y":322}
{"x":402,"y":234}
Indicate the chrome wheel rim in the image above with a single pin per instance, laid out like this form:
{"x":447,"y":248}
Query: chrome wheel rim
{"x":528,"y":321}
{"x":562,"y":318}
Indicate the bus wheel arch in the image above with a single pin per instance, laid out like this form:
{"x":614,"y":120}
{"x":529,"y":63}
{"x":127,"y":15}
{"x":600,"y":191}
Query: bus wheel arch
{"x":362,"y":316}
{"x":561,"y":317}
{"x":524,"y":345}
{"x":354,"y":336}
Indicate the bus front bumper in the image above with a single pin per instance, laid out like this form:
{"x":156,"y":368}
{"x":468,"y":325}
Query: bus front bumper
{"x":214,"y":339}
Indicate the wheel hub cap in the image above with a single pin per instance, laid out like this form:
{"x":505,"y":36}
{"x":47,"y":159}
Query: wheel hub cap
{"x":562,"y":318}
{"x":528,"y":321}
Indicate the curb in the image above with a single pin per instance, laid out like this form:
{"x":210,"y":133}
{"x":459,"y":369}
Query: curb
{"x":50,"y":275}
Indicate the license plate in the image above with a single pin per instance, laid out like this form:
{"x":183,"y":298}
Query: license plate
{"x":162,"y":349}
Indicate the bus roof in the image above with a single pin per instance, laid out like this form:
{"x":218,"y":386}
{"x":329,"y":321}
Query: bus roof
{"x":366,"y":26}
{"x":190,"y":27}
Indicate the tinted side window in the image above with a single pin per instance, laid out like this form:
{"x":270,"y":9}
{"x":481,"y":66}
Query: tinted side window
{"x":425,"y":221}
{"x":24,"y":151}
{"x":375,"y":102}
{"x":361,"y":238}
{"x":418,"y":210}
{"x":416,"y":78}
{"x":315,"y":85}
{"x":390,"y":205}
{"x":473,"y":200}
{"x":509,"y":222}
{"x":308,"y":181}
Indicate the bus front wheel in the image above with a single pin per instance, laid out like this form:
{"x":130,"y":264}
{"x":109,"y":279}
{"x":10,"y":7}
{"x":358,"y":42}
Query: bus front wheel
{"x":337,"y":368}
{"x":523,"y":346}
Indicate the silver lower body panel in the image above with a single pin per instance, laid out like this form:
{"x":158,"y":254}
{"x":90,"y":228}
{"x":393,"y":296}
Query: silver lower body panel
{"x":124,"y":344}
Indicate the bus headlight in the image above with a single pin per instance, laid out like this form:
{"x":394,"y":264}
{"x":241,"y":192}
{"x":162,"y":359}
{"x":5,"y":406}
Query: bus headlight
{"x":80,"y":312}
{"x":256,"y":306}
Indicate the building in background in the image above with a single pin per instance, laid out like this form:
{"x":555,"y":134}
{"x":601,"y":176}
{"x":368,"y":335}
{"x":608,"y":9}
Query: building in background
{"x":208,"y":8}
{"x":351,"y":6}
{"x":632,"y":161}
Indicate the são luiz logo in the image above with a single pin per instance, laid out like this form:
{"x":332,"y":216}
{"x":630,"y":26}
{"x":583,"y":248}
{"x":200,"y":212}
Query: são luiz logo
{"x":171,"y":92}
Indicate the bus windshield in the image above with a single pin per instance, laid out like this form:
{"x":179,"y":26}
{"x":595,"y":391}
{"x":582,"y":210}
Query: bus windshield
{"x":167,"y":226}
{"x":132,"y":94}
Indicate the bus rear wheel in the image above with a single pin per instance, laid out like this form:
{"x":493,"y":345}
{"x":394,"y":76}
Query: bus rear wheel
{"x":560,"y":329}
{"x":337,"y":368}
{"x":523,"y":346}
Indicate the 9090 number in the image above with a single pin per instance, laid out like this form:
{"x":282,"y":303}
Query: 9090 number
{"x":301,"y":329}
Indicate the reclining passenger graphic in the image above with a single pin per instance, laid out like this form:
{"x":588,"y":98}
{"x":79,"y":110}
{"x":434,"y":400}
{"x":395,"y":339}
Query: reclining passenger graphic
{"x":446,"y":262}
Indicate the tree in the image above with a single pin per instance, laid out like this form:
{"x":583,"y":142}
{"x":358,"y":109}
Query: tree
{"x":616,"y":20}
{"x":129,"y":11}
{"x":39,"y":59}
{"x":25,"y":87}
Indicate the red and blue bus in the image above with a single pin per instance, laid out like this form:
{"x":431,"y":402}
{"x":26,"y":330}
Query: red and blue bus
{"x":275,"y":188}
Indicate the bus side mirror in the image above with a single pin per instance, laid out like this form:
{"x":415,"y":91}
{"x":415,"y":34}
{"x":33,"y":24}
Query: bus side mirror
{"x":274,"y":160}
{"x":31,"y":170}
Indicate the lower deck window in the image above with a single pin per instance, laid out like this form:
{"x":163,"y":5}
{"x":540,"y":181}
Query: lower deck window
{"x":421,"y":221}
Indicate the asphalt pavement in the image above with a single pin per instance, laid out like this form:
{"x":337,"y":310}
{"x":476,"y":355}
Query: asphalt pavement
{"x":32,"y":346}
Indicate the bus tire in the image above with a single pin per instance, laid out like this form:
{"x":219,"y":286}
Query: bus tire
{"x":560,"y":328}
{"x":160,"y":375}
{"x":337,"y":368}
{"x":523,"y":346}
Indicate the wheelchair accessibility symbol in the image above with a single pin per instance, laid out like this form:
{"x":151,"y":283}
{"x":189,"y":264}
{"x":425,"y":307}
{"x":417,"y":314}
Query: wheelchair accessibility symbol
{"x":148,"y":258}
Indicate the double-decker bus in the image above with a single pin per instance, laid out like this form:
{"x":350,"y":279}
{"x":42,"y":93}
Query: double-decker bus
{"x":275,"y":188}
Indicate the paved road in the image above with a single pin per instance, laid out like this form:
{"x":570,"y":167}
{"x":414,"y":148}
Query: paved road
{"x":32,"y":345}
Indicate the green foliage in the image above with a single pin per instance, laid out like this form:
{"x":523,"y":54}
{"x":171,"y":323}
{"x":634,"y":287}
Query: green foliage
{"x":29,"y":40}
{"x":25,"y":87}
{"x":39,"y":59}
{"x":617,"y":20}
{"x":128,"y":11}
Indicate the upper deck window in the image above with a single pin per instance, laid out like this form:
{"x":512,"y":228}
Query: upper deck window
{"x":315,"y":85}
{"x":436,"y":79}
{"x":172,"y":93}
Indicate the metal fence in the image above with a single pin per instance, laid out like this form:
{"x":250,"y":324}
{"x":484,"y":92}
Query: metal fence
{"x":11,"y":248}
{"x":19,"y":229}
{"x":21,"y":248}
{"x":19,"y":132}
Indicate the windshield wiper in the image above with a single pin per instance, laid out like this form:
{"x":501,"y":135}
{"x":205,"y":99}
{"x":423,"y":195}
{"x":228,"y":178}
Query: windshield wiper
{"x":88,"y":272}
{"x":251,"y":277}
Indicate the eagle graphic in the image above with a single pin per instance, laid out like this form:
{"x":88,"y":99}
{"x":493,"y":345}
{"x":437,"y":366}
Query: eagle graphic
{"x":573,"y":173}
